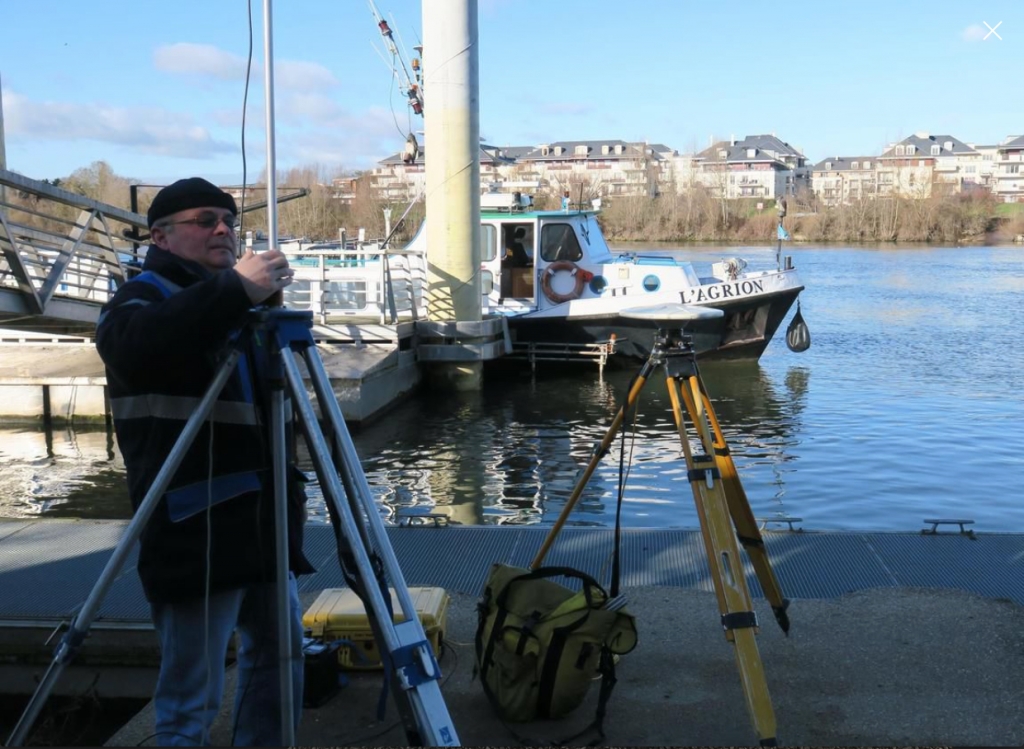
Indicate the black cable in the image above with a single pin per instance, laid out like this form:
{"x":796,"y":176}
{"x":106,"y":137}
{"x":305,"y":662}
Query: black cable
{"x":360,"y":741}
{"x":625,"y":466}
{"x":391,"y":98}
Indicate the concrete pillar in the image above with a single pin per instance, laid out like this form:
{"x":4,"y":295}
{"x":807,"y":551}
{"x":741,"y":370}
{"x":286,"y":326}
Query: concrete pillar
{"x":451,"y":113}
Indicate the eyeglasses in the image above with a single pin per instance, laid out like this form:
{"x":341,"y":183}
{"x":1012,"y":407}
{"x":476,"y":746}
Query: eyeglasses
{"x":206,"y":221}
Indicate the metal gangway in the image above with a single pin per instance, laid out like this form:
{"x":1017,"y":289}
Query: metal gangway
{"x":62,"y":256}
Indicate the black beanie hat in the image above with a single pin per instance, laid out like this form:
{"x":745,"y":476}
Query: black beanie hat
{"x":194,"y":192}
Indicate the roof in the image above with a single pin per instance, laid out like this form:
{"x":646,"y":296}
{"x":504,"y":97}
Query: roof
{"x":1013,"y":142}
{"x":923,"y":142}
{"x":843,"y":163}
{"x":519,"y":215}
{"x":595,"y":150}
{"x":767,"y":148}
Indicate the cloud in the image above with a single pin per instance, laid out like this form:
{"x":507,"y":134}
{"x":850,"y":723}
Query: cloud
{"x":315,"y":129}
{"x":199,"y":59}
{"x":974,"y":33}
{"x":208,"y":61}
{"x":351,"y":141}
{"x":148,"y":129}
{"x":296,"y":75}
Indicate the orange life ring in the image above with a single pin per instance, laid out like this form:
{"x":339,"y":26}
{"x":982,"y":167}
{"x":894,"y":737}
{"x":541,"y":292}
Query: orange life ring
{"x":580,"y":276}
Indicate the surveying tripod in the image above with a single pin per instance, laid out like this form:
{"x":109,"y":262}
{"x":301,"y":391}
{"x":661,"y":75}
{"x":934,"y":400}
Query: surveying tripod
{"x":721,"y":504}
{"x":361,"y":536}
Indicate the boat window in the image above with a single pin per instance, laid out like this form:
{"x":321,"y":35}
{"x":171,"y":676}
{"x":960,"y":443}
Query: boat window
{"x":488,"y":242}
{"x":517,"y":244}
{"x":558,"y":242}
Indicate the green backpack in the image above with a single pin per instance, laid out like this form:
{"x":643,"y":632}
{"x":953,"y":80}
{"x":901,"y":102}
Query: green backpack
{"x":539,"y":644}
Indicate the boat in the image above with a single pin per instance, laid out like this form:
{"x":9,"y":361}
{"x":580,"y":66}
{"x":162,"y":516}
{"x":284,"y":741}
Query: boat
{"x":552,"y":276}
{"x":568,"y":286}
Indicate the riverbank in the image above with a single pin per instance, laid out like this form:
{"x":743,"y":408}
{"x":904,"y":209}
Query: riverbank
{"x":697,"y":216}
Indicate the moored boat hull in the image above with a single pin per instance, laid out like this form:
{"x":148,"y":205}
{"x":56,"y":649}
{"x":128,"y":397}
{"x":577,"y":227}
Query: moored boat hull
{"x":742,"y":333}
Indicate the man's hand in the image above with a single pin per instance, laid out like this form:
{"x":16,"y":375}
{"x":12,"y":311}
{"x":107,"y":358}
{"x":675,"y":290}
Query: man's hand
{"x":264,"y":274}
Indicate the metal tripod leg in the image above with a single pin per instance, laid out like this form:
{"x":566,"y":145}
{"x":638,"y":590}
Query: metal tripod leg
{"x":79,"y":629}
{"x":415,"y":669}
{"x":734,"y":602}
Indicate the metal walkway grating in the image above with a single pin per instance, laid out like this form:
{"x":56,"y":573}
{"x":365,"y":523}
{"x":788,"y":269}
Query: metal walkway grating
{"x":48,"y":567}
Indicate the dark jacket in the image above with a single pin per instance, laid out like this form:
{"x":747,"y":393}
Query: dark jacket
{"x":162,"y":337}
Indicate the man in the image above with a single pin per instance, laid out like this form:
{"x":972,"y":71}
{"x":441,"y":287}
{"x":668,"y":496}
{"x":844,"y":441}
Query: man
{"x":207,"y":557}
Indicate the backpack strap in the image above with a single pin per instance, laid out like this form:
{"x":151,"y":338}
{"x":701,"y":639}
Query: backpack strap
{"x":166,"y":286}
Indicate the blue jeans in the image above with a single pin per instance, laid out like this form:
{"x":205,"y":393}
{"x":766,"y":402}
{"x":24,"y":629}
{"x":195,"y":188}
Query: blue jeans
{"x":191,"y":682}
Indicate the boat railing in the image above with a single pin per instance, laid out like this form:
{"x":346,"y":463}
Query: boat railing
{"x":359,"y":283}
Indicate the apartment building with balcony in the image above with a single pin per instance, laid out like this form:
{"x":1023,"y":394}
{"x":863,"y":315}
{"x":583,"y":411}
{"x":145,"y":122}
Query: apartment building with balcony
{"x":397,"y":180}
{"x":923,"y":163}
{"x":841,"y":179}
{"x":600,"y":168}
{"x":979,"y":173}
{"x":758,"y":166}
{"x":1008,"y":175}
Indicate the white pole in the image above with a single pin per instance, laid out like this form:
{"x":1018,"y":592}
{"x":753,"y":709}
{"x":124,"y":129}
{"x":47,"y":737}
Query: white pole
{"x":284,"y":619}
{"x":268,"y":89}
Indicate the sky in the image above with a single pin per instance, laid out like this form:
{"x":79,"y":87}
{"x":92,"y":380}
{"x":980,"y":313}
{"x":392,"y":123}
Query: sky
{"x":156,"y":90}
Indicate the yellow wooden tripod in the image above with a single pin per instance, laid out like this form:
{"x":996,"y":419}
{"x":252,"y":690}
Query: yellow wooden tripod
{"x":722,"y":507}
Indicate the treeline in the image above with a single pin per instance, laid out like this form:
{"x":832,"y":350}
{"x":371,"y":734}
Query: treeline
{"x":693,"y":216}
{"x":698,"y":216}
{"x":318,"y":215}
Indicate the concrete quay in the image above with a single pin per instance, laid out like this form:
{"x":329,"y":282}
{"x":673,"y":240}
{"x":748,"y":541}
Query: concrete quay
{"x":60,"y":381}
{"x":896,"y":639}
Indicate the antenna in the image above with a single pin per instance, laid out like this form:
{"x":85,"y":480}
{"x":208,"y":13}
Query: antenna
{"x":413,"y":88}
{"x":268,"y":99}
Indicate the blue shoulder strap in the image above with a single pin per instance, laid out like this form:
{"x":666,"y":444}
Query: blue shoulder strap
{"x":148,"y":276}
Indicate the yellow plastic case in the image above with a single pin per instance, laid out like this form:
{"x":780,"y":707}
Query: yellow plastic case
{"x":338,"y":614}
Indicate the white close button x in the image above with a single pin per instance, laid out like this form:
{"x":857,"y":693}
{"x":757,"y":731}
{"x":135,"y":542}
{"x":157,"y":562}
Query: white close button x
{"x":992,"y":30}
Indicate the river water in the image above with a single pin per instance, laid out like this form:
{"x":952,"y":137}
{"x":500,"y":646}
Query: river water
{"x":907,"y":406}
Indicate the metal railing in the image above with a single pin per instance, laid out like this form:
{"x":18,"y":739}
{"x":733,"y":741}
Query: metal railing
{"x":358,"y":281}
{"x":61,"y":255}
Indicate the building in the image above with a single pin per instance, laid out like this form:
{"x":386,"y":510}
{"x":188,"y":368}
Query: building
{"x":759,"y":166}
{"x":396,"y":180}
{"x":600,"y":167}
{"x":595,"y":168}
{"x":922,"y":164}
{"x":1008,"y":176}
{"x":841,"y":179}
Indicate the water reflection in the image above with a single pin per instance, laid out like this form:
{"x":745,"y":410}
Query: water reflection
{"x":513,"y":452}
{"x":69,"y":472}
{"x":510,"y":453}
